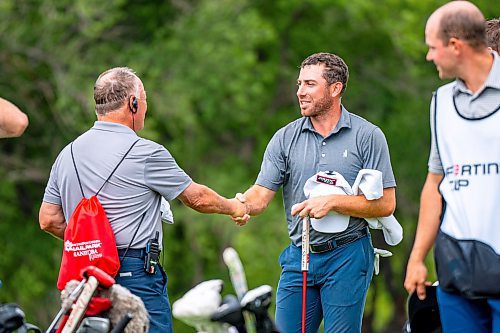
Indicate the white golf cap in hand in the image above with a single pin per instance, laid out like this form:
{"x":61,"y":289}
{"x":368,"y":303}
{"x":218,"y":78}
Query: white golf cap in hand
{"x":327,"y":183}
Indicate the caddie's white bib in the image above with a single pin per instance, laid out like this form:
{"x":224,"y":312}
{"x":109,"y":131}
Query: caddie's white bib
{"x":470,"y":154}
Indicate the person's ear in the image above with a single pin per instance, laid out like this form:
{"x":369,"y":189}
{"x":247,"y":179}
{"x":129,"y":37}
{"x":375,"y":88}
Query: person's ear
{"x":456,"y":44}
{"x":133,"y":105}
{"x":336,"y":89}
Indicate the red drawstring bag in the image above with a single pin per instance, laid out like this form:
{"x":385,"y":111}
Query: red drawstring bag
{"x":89,"y":239}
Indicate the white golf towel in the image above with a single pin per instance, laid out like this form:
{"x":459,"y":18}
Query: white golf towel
{"x":166,"y":212}
{"x":368,"y":183}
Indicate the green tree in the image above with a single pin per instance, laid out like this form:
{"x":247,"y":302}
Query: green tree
{"x":220,"y":77}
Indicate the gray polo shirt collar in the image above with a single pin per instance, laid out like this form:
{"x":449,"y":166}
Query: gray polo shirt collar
{"x":492,"y":80}
{"x":112,"y":127}
{"x":344,"y":121}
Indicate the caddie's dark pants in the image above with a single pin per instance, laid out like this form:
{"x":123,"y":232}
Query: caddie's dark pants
{"x":152,"y":289}
{"x":462,"y":315}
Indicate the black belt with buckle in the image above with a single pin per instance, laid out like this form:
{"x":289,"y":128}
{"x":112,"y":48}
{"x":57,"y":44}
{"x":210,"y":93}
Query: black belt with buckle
{"x":335,"y":243}
{"x":132,"y":253}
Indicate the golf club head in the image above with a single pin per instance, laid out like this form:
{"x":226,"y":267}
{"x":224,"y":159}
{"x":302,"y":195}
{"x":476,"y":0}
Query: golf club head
{"x":94,"y":325}
{"x":11,"y":318}
{"x":230,"y":312}
{"x":257,"y":300}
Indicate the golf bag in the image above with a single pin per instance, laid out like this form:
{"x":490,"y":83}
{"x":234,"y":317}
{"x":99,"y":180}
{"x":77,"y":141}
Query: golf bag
{"x":423,"y":315}
{"x":98,"y":305}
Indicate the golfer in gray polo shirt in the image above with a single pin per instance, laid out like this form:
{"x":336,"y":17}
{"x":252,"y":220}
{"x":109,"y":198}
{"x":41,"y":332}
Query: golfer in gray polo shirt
{"x":132,"y":196}
{"x":326,"y":138}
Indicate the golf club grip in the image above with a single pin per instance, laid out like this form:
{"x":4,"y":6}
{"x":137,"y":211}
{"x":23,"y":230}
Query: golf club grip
{"x":120,"y":326}
{"x":236,"y":271}
{"x":305,"y":244}
{"x":104,"y":279}
{"x":239,"y":281}
{"x":81,"y":305}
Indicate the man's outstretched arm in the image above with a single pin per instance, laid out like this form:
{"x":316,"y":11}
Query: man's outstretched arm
{"x":205,"y":200}
{"x":256,"y":199}
{"x":13,"y":121}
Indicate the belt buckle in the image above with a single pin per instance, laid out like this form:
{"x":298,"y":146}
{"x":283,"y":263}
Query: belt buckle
{"x":324,"y":247}
{"x":330,"y":245}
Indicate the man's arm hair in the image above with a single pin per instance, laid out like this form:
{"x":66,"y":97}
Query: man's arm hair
{"x":359,"y":206}
{"x":256,"y":198}
{"x":351,"y":205}
{"x":51,"y":219}
{"x":205,"y":200}
{"x":13,"y":121}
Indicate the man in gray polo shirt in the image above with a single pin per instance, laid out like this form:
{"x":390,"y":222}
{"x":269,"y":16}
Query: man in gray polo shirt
{"x":459,"y":209}
{"x":132,"y":196}
{"x":326,"y":138}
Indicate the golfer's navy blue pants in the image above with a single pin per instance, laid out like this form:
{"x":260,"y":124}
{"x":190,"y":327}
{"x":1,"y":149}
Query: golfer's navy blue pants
{"x":462,"y":315}
{"x":337,"y":284}
{"x":152,"y":289}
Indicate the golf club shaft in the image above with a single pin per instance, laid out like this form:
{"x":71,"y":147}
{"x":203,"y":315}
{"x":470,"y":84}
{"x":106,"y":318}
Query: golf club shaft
{"x":66,"y":305}
{"x":305,"y":267}
{"x":304,"y":300}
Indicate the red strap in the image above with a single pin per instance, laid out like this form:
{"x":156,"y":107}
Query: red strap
{"x":98,"y":305}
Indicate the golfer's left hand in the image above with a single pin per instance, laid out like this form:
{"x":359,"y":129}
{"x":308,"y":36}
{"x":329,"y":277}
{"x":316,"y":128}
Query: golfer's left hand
{"x":316,"y":207}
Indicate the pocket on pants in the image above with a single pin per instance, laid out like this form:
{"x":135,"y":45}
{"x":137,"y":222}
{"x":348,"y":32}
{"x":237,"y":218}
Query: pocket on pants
{"x":348,"y":284}
{"x":290,"y":259}
{"x":133,"y":277}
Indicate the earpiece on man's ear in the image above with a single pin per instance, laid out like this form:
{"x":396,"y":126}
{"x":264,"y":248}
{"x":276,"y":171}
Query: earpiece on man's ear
{"x":135,"y":106}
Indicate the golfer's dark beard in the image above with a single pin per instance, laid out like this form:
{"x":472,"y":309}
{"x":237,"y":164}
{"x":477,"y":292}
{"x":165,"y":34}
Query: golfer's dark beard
{"x":322,"y":106}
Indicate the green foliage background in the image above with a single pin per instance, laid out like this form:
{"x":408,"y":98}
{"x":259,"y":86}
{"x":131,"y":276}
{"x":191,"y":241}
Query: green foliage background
{"x":220,"y":77}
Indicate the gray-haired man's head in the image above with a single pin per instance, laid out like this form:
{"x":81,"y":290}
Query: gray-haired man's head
{"x":113,"y":87}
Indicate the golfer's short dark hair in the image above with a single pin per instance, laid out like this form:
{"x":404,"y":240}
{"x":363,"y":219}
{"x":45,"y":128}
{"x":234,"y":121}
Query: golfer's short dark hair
{"x":335,"y":68}
{"x":493,"y":34}
{"x":113,"y":87}
{"x":465,"y":25}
